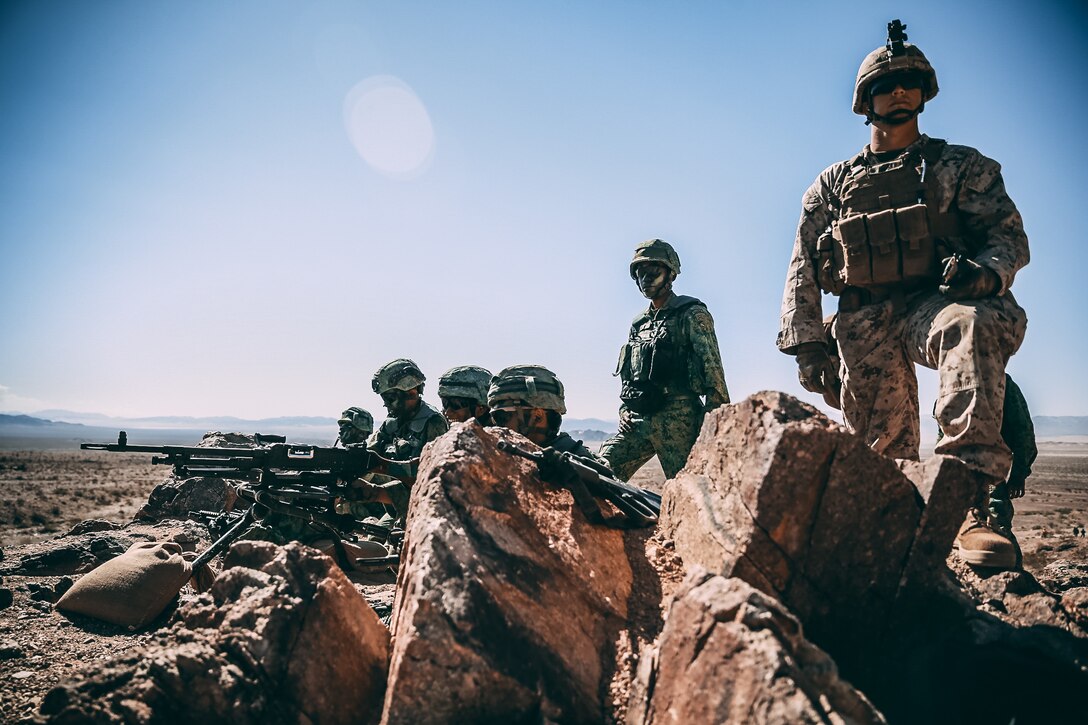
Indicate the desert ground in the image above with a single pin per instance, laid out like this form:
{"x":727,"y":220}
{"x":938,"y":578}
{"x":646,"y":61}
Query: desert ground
{"x":43,"y":493}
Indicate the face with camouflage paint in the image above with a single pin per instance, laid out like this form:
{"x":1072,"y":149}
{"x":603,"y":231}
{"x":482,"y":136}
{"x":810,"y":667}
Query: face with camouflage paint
{"x":349,"y":434}
{"x":401,"y":403}
{"x":653,"y":279}
{"x":530,"y":422}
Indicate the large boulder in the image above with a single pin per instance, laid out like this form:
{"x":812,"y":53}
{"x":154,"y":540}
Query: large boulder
{"x":776,"y":494}
{"x":731,"y":654}
{"x":854,"y":544}
{"x":282,"y":637}
{"x":509,"y":603}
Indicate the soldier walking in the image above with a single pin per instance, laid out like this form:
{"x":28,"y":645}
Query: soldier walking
{"x":671,"y":358}
{"x":920,"y":243}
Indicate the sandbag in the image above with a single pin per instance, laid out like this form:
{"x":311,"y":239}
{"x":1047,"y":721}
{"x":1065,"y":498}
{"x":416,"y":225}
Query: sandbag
{"x":131,"y":589}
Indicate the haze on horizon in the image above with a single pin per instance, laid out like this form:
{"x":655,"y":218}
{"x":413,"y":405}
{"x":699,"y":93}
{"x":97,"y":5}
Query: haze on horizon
{"x":245,"y":208}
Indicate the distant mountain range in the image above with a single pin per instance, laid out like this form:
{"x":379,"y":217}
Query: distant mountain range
{"x":65,"y":429}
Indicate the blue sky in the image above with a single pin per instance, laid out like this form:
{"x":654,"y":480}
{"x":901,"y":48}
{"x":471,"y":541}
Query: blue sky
{"x":245,"y":208}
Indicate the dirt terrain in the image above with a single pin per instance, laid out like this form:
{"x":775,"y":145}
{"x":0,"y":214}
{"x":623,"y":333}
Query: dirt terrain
{"x":44,"y":493}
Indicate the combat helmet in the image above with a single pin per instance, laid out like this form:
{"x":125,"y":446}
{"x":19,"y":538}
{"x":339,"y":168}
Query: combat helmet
{"x":656,"y":250}
{"x":466,"y":381}
{"x":895,"y":57}
{"x":527,"y":386}
{"x":401,"y":374}
{"x":358,"y":418}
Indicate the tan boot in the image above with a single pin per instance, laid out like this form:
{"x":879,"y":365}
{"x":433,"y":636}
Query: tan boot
{"x":980,"y":545}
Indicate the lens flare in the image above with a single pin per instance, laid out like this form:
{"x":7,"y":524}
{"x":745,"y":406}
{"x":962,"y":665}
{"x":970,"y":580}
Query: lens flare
{"x":389,"y":126}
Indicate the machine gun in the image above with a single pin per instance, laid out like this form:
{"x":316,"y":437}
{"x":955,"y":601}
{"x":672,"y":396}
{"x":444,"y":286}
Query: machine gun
{"x":300,"y":481}
{"x":639,"y":506}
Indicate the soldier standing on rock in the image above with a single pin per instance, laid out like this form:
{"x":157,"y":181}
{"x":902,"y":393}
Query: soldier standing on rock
{"x":463,"y":392}
{"x":670,"y":359}
{"x":920,"y":243}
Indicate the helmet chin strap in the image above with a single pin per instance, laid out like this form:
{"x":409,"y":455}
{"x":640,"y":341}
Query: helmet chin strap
{"x":899,"y":119}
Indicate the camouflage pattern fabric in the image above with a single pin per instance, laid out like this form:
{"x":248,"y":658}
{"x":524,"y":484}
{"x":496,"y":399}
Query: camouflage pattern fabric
{"x":403,"y":439}
{"x":669,"y":433}
{"x":1018,"y":432}
{"x":967,"y":342}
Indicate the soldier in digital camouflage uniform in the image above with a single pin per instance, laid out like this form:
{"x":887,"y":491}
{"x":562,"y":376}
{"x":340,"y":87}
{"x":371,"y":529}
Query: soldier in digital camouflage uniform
{"x":356,"y":426}
{"x":671,"y":358}
{"x":530,"y":400}
{"x":463,"y":392}
{"x":920,"y":242}
{"x":411,"y":424}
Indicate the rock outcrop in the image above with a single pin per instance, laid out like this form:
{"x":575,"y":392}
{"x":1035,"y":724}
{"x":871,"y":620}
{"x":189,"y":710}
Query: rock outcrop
{"x":777,"y":495}
{"x":282,"y":637}
{"x":854,"y":545}
{"x":509,"y":603}
{"x":731,"y":654}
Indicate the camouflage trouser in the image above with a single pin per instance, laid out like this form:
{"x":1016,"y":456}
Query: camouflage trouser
{"x":968,"y":343}
{"x":670,"y":433}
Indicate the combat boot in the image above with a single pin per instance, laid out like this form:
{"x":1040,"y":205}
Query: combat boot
{"x":980,"y":544}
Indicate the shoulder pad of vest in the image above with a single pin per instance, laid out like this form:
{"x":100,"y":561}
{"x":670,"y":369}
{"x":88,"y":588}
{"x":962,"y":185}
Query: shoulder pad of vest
{"x":933,"y":149}
{"x":682,"y":301}
{"x":419,"y":422}
{"x":564,"y":443}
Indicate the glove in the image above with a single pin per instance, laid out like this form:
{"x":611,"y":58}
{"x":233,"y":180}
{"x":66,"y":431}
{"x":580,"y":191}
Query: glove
{"x":966,"y":279}
{"x":627,"y":423}
{"x":1016,"y":485}
{"x":815,"y":369}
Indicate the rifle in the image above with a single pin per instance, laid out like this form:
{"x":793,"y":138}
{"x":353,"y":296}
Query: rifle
{"x":300,"y":481}
{"x":640,"y":506}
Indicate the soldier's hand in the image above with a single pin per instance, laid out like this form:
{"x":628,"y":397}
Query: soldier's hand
{"x":1016,"y":486}
{"x":966,"y":279}
{"x":815,"y":370}
{"x":554,"y":467}
{"x":627,"y":423}
{"x":367,"y":492}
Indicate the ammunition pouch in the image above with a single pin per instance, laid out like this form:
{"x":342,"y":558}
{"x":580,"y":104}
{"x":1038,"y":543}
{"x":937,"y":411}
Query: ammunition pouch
{"x":890,"y":227}
{"x":888,"y":247}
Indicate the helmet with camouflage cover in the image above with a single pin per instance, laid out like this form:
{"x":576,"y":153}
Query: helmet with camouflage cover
{"x":526,"y":386}
{"x":358,"y":418}
{"x":466,"y":381}
{"x":401,"y":374}
{"x":656,"y":250}
{"x":897,"y":56}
